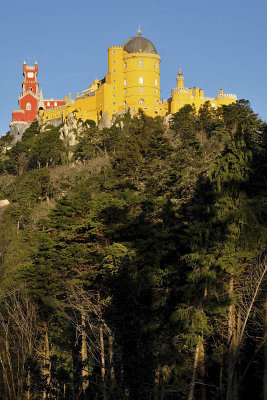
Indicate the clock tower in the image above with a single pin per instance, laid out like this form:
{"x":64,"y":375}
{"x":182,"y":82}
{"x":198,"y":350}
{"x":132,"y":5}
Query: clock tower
{"x":29,"y":97}
{"x":30,"y":102}
{"x":30,"y":82}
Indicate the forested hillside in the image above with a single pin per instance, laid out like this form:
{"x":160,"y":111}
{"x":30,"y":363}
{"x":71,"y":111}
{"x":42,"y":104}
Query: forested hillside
{"x":132,"y":265}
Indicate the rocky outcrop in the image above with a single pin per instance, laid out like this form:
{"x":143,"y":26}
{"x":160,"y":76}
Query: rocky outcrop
{"x":4,"y":203}
{"x":17,"y":128}
{"x":105,"y":121}
{"x":69,"y":131}
{"x":167,"y":120}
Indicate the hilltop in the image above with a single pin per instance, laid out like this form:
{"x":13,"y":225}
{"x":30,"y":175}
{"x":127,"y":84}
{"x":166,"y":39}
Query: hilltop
{"x":133,"y":258}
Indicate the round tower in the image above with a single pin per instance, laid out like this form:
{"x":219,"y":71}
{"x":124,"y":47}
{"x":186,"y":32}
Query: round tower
{"x":141,"y":75}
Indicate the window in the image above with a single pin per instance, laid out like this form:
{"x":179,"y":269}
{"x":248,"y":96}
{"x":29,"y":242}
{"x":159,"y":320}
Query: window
{"x":156,"y":102}
{"x":114,"y":88}
{"x":125,"y":91}
{"x":48,"y":104}
{"x":30,"y":89}
{"x":156,"y":65}
{"x":140,"y":63}
{"x":114,"y":62}
{"x":100,"y":91}
{"x":113,"y":51}
{"x":28,"y":106}
{"x":141,"y":101}
{"x":55,"y":104}
{"x":114,"y":103}
{"x":124,"y":103}
{"x":141,"y":80}
{"x":114,"y":95}
{"x":156,"y":81}
{"x":156,"y":91}
{"x":125,"y":82}
{"x":213,"y":106}
{"x":125,"y":65}
{"x":100,"y":103}
{"x":114,"y":70}
{"x":145,"y":108}
{"x":141,"y":90}
{"x":114,"y":81}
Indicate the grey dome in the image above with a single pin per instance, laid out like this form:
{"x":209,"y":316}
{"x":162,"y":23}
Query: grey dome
{"x":139,"y":44}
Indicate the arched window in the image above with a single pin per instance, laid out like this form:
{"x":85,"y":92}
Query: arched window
{"x":125,"y":82}
{"x":141,"y":90}
{"x":141,"y":80}
{"x":125,"y":65}
{"x":156,"y":81}
{"x":28,"y":106}
{"x":55,"y":104}
{"x":48,"y":104}
{"x":124,"y":103}
{"x":140,"y":63}
{"x":141,"y":101}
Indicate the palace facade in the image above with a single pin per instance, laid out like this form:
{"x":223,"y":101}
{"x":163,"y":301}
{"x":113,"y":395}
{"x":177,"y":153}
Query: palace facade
{"x":132,"y":82}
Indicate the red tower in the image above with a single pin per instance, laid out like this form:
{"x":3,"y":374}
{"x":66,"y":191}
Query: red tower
{"x":29,"y":97}
{"x":30,"y":102}
{"x":30,"y":82}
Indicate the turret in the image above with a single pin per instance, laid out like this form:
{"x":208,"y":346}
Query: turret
{"x":180,"y":79}
{"x":30,"y":82}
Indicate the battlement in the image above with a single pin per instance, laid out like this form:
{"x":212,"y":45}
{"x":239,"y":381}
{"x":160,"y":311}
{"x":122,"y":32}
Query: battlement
{"x":182,"y":90}
{"x":227,"y":95}
{"x":143,"y":55}
{"x":30,"y":67}
{"x":115,"y":47}
{"x":18,"y":111}
{"x":23,"y":94}
{"x":52,"y":99}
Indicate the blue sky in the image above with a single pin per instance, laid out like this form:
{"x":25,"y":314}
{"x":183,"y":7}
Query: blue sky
{"x":218,"y":44}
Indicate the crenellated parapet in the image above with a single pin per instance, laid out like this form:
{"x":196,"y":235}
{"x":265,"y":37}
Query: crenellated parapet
{"x":228,"y":95}
{"x":182,"y":96}
{"x":182,"y":90}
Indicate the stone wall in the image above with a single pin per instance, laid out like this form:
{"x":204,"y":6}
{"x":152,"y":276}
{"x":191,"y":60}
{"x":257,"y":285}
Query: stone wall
{"x":17,"y":129}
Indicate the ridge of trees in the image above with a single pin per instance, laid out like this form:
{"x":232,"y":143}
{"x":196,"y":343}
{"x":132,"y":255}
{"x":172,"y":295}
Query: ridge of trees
{"x":137,"y":269}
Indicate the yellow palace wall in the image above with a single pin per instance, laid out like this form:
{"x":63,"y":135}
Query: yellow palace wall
{"x":133,"y":81}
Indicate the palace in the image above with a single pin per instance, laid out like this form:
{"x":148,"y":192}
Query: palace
{"x":132,"y":82}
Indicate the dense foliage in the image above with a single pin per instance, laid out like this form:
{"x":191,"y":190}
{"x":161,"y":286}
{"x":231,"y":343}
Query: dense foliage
{"x":133,"y":264}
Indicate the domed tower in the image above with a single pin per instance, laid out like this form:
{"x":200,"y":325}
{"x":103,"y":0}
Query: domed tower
{"x":134,"y":74}
{"x":141,"y":72}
